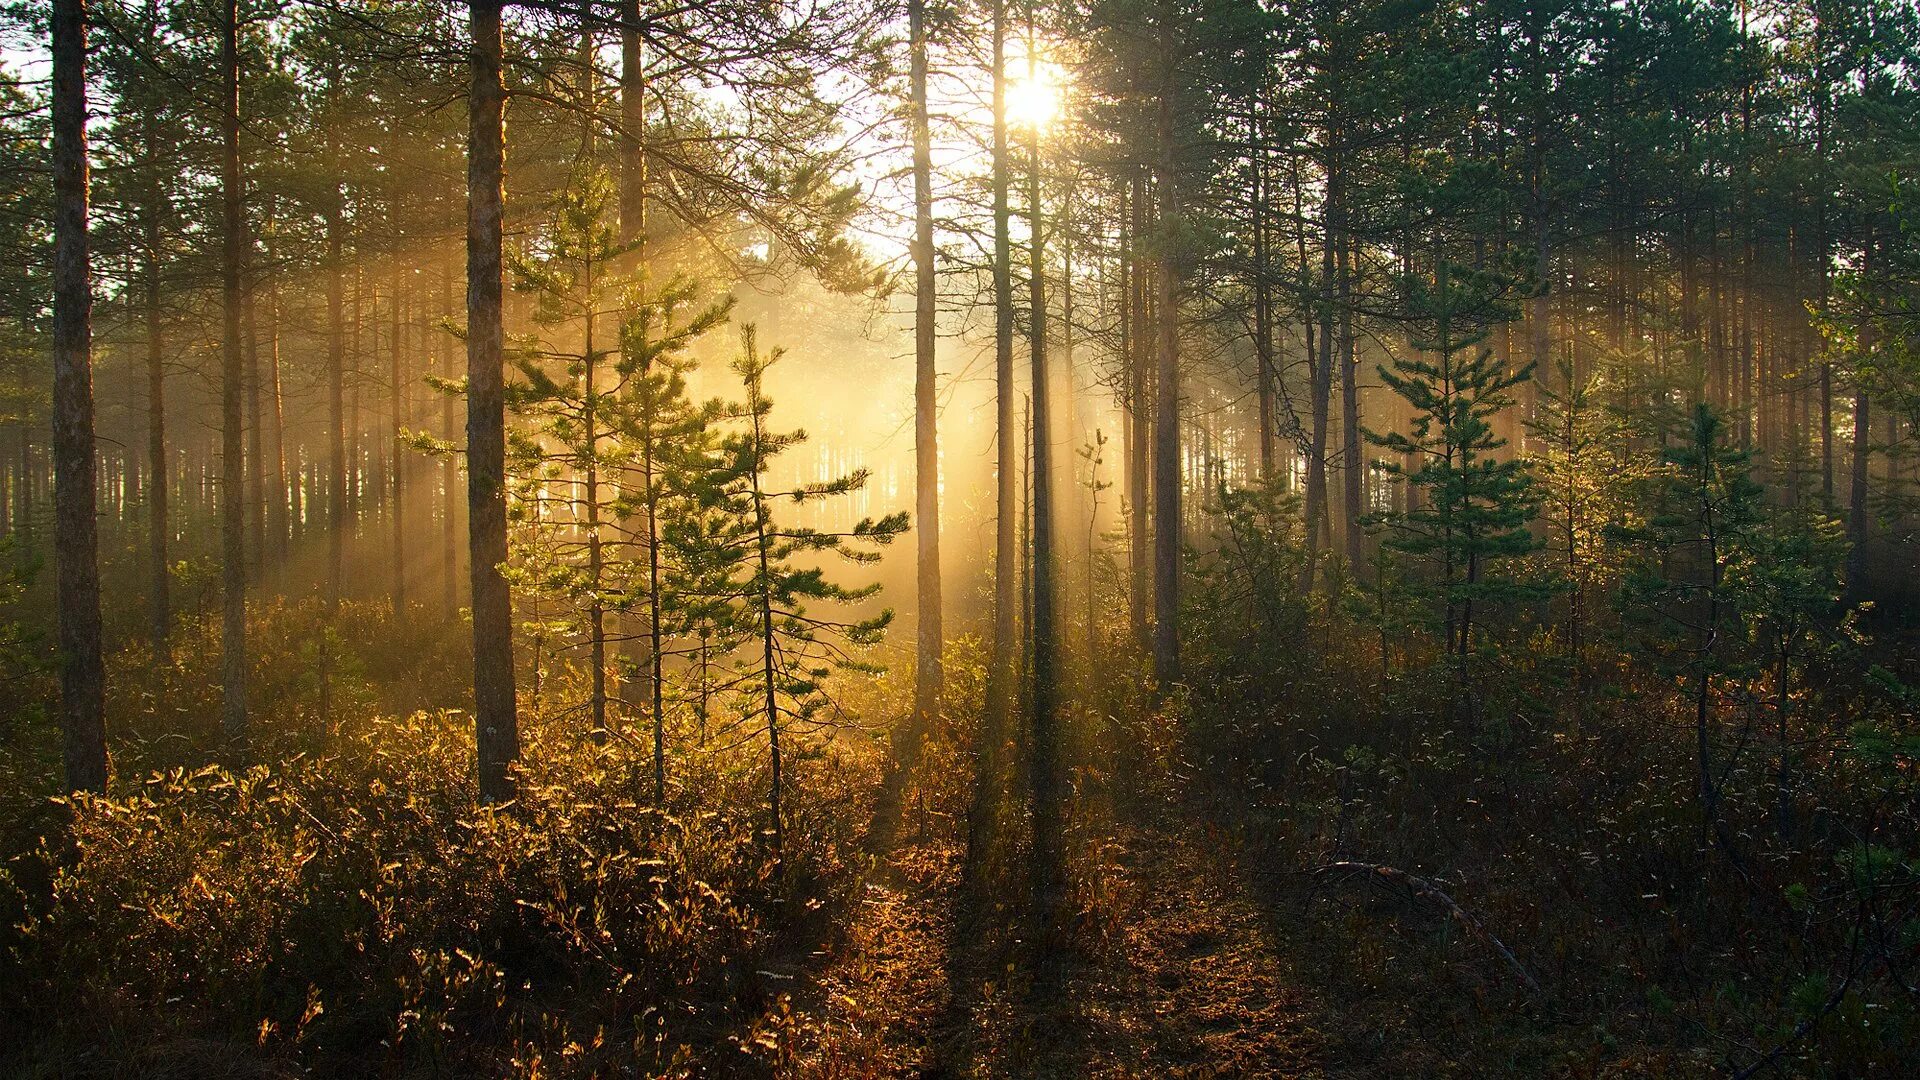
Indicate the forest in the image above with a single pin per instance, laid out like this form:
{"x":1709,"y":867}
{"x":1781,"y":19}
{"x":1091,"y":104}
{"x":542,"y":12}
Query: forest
{"x":959,"y":538}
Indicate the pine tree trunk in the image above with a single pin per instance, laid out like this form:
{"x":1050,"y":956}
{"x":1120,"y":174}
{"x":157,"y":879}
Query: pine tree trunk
{"x":1002,"y":673}
{"x":1006,"y":554}
{"x":159,"y":576}
{"x":449,"y":466}
{"x":233,"y":624}
{"x":1263,"y":297}
{"x":1166,"y":420}
{"x":929,"y":677}
{"x":1044,"y":751}
{"x":1857,"y":523}
{"x":596,"y":566}
{"x":336,"y":486}
{"x":277,"y":487}
{"x":356,"y":463}
{"x":398,"y":377}
{"x":633,"y":230}
{"x":256,"y":496}
{"x":496,"y":727}
{"x":633,"y":122}
{"x":1318,"y":517}
{"x":82,"y":675}
{"x":656,"y":637}
{"x":762,"y":546}
{"x":1353,"y":471}
{"x":1139,"y":411}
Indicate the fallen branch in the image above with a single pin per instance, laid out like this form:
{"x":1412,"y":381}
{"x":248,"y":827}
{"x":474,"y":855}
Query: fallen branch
{"x":1426,"y":890}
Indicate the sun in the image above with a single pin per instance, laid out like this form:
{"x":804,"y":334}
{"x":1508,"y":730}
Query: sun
{"x":1034,"y":96}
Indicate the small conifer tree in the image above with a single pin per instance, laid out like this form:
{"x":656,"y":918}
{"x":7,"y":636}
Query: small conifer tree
{"x":1701,"y":520}
{"x":769,"y":575}
{"x":1472,"y":517}
{"x":607,"y":435}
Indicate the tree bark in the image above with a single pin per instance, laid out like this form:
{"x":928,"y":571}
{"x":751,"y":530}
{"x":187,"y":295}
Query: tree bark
{"x":633,"y":123}
{"x":929,"y":676}
{"x":276,"y":450}
{"x":160,"y":582}
{"x":336,"y":494}
{"x":398,"y":377}
{"x":1139,"y":410}
{"x":1263,"y":297}
{"x":1002,"y":675}
{"x":1044,"y":751}
{"x":233,"y":623}
{"x":1006,"y":555}
{"x":1166,"y":420}
{"x":1353,"y":469}
{"x":497,"y":733}
{"x":449,"y":467}
{"x":256,"y":494}
{"x":82,"y":675}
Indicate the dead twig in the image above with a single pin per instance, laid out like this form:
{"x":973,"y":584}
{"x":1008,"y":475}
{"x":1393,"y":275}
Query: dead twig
{"x":1426,"y":890}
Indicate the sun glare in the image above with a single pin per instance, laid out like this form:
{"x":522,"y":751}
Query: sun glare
{"x":1034,"y":97}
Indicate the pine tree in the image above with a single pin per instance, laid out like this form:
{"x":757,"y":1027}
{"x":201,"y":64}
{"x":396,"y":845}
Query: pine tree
{"x":669,"y":466}
{"x":1701,"y":513}
{"x":1575,"y":443}
{"x":601,"y":411}
{"x":1474,"y":510}
{"x":562,"y":443}
{"x":1789,"y":580}
{"x":774,"y":578}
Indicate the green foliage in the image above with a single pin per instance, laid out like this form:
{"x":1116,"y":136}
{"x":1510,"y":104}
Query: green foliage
{"x":1585,"y":470}
{"x":1700,"y":510}
{"x":601,"y":397}
{"x":1245,"y":578}
{"x":769,"y":573}
{"x":1474,"y":508}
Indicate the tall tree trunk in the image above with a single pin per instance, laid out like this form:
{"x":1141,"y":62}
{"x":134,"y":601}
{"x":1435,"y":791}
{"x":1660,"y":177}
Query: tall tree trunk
{"x":596,"y":607}
{"x":398,"y":378}
{"x":23,"y":482}
{"x":336,"y":493}
{"x":762,"y":548}
{"x":633,"y":123}
{"x":1139,"y":411}
{"x":1006,"y":554}
{"x":233,"y":624}
{"x":160,"y":591}
{"x":356,"y":457}
{"x":256,"y":496}
{"x":929,"y":677}
{"x":1318,"y":516}
{"x":1263,"y":296}
{"x":1353,"y":470}
{"x":1002,"y":674}
{"x":1748,"y":403}
{"x":276,"y":450}
{"x":1860,"y":452}
{"x":76,"y":554}
{"x":656,"y":631}
{"x":449,"y":467}
{"x":1166,"y":420}
{"x":1044,"y":764}
{"x":633,"y":232}
{"x":497,"y":733}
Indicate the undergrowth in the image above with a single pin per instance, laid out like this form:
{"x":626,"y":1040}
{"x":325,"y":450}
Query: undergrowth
{"x":331,"y":899}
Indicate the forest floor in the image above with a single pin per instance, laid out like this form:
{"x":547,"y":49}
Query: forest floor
{"x":1172,"y":971}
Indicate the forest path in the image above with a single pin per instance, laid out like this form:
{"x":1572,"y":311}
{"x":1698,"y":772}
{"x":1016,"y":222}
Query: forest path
{"x":1172,"y":974}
